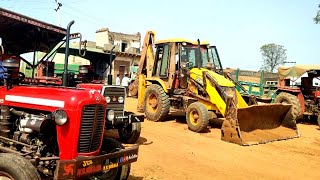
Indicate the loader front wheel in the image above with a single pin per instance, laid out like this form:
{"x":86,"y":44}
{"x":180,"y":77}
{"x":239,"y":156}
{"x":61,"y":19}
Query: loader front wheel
{"x":287,"y":98}
{"x":197,"y":117}
{"x":156,"y":103}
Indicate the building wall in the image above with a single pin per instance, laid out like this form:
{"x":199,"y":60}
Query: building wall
{"x":127,"y":49}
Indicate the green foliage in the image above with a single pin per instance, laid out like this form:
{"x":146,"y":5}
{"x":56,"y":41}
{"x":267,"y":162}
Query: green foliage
{"x":317,"y":18}
{"x":273,"y":55}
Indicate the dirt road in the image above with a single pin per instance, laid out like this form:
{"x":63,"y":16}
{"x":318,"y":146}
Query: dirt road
{"x":169,"y":150}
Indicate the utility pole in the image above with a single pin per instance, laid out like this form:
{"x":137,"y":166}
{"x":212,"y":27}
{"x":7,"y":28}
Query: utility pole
{"x":57,"y":9}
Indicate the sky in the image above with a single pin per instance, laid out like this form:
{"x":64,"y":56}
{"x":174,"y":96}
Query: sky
{"x":237,"y":28}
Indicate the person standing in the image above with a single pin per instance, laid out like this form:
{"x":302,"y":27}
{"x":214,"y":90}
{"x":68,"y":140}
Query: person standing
{"x":118,"y":81}
{"x":125,"y":83}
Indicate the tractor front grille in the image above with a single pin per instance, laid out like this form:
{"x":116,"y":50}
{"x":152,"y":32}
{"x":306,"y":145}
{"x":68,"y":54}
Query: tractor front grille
{"x":91,"y":128}
{"x":114,"y":92}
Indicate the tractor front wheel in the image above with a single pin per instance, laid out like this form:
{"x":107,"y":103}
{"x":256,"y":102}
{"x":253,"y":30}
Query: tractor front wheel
{"x":156,"y":103}
{"x":15,"y":167}
{"x":287,"y":98}
{"x":197,"y":117}
{"x":130,"y":133}
{"x":108,"y":146}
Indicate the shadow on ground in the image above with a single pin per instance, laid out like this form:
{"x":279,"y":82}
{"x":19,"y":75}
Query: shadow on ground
{"x":131,"y":177}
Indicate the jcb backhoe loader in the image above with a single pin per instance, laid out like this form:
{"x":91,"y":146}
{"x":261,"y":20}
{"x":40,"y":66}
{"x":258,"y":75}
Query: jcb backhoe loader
{"x":187,"y":75}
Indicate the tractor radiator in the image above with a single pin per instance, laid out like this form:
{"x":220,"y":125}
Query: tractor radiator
{"x":91,"y":128}
{"x":114,"y":92}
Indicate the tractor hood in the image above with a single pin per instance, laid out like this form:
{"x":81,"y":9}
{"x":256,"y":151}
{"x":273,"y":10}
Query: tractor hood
{"x":93,"y":54}
{"x":196,"y":74}
{"x":49,"y":98}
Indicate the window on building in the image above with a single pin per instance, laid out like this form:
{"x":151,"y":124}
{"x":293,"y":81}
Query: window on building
{"x":123,"y":46}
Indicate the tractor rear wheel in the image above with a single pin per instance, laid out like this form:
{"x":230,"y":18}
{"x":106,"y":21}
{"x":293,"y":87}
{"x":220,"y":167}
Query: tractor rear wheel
{"x":287,"y":98}
{"x":197,"y":117}
{"x":15,"y":167}
{"x":156,"y":103}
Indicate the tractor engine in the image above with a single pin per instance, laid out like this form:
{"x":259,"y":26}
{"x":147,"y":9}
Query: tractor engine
{"x":30,"y":133}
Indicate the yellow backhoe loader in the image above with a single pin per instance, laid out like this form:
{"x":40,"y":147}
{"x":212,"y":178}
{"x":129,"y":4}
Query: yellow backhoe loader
{"x":188,"y":76}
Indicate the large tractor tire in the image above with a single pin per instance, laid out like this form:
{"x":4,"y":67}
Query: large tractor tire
{"x":287,"y":98}
{"x":156,"y":103}
{"x":130,"y":133}
{"x":119,"y":173}
{"x":197,"y":117}
{"x":15,"y":167}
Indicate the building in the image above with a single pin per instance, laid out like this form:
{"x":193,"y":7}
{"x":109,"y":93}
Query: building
{"x":127,"y":51}
{"x":126,"y":47}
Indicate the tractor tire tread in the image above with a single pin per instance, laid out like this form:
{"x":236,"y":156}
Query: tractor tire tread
{"x":296,"y":107}
{"x":21,"y":168}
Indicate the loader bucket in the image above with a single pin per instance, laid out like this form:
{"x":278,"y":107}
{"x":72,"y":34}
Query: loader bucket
{"x":259,"y":124}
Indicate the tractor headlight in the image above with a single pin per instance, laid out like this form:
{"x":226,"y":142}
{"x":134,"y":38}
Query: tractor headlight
{"x":108,"y":99}
{"x":60,"y":117}
{"x":110,"y":115}
{"x":120,"y":99}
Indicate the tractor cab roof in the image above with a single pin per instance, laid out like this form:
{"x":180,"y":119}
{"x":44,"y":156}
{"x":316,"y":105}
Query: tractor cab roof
{"x":21,"y":34}
{"x":180,"y":40}
{"x":92,"y":54}
{"x":298,"y":70}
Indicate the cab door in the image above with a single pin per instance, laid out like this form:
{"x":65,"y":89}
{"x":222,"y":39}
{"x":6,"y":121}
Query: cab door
{"x":165,"y":64}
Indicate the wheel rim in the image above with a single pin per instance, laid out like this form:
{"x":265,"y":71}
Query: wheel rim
{"x":152,"y":103}
{"x":5,"y":176}
{"x":194,"y":117}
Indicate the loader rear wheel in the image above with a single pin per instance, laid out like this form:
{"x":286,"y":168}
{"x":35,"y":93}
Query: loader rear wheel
{"x":197,"y":117}
{"x":156,"y":103}
{"x":133,"y":89}
{"x":287,"y":98}
{"x":13,"y":166}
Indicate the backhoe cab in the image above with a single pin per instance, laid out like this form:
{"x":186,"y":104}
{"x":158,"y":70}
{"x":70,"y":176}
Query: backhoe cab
{"x":187,"y":75}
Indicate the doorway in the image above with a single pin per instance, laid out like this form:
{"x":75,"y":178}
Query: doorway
{"x":122,"y":69}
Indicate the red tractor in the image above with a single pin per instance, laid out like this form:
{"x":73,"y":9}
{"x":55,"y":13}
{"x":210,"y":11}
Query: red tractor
{"x":304,"y":96}
{"x":51,"y":132}
{"x":94,"y":77}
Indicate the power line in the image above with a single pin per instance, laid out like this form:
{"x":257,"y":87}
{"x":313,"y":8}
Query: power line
{"x":77,"y":10}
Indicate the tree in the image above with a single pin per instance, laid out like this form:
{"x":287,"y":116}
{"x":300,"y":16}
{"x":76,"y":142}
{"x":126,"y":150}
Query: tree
{"x":273,"y":55}
{"x":317,"y":18}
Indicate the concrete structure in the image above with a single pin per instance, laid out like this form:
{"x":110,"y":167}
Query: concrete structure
{"x":127,"y":49}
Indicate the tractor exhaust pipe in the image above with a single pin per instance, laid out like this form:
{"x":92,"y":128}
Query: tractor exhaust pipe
{"x":65,"y":70}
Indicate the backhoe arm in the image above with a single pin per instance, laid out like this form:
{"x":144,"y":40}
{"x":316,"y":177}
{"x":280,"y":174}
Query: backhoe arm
{"x":146,"y":61}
